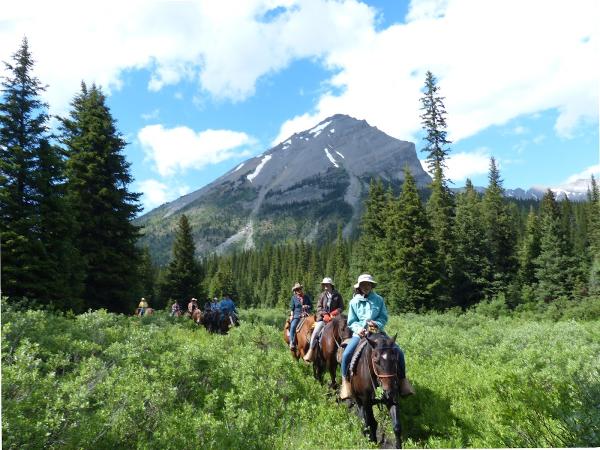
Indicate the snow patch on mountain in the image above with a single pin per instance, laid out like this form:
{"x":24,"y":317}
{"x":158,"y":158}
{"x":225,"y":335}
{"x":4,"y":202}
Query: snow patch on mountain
{"x":331,"y":158}
{"x":238,"y":167}
{"x":340,"y":154}
{"x":319,"y":128}
{"x":254,"y":174}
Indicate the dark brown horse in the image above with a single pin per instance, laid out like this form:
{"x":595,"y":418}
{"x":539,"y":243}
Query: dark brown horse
{"x":332,"y":336}
{"x":378,"y":365}
{"x":303,"y":332}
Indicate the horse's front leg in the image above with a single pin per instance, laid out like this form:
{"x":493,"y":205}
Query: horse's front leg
{"x":332,"y":366}
{"x":395,"y":416}
{"x":370,"y":421}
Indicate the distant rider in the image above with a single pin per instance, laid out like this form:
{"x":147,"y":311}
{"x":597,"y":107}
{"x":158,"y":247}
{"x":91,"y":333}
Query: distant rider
{"x":329,"y":305}
{"x":142,"y":306}
{"x":300,"y":305}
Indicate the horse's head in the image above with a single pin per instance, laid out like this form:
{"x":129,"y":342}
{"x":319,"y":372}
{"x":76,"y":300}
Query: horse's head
{"x":386,"y":361}
{"x":343,"y":330}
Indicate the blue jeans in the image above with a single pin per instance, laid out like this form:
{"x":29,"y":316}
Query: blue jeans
{"x":349,"y":351}
{"x":347,"y":356}
{"x":293,"y":326}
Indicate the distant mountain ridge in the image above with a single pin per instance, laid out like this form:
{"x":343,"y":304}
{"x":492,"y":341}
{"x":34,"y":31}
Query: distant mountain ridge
{"x":302,"y":188}
{"x":575,"y":191}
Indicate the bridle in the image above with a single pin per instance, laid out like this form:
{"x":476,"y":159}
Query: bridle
{"x":383,"y":375}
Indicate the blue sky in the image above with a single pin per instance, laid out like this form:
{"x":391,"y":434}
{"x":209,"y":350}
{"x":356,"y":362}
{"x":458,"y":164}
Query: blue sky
{"x":199,"y":86}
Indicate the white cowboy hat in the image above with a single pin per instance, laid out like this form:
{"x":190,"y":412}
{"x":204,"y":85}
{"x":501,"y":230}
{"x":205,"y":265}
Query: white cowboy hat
{"x":297,"y":286}
{"x":327,"y":280}
{"x":365,"y":277}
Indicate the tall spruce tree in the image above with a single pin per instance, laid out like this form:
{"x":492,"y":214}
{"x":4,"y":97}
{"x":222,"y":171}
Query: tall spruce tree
{"x":98,"y":178}
{"x":500,"y":233}
{"x":440,"y":210}
{"x":440,"y":207}
{"x":554,"y":265}
{"x":410,"y":255}
{"x":372,"y":231}
{"x":529,"y":250}
{"x":594,"y":237}
{"x":433,"y":121}
{"x":35,"y":225}
{"x":470,"y":275}
{"x":183,"y":277}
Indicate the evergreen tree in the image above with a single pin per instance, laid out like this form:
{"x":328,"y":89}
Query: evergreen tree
{"x":372,"y":232}
{"x":23,"y":129}
{"x":470,"y":264}
{"x":500,"y":233}
{"x":594,"y":237}
{"x":147,"y":276}
{"x":410,"y":252}
{"x":98,"y":178}
{"x":433,"y":120}
{"x":183,"y":277}
{"x":529,"y":250}
{"x":440,"y":210}
{"x":554,"y":266}
{"x":223,"y":282}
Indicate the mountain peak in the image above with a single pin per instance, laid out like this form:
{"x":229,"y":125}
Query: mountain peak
{"x":315,"y":179}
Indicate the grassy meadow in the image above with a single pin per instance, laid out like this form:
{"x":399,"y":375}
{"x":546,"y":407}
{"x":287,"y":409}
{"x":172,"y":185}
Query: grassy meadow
{"x":101,"y":380}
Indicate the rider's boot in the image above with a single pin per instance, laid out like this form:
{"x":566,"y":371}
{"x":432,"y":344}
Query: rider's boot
{"x":346,"y":390}
{"x":406,"y":388}
{"x":310,"y":356}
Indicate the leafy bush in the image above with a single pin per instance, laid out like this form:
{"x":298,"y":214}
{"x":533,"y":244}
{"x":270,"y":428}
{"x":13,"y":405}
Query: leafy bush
{"x":101,"y":380}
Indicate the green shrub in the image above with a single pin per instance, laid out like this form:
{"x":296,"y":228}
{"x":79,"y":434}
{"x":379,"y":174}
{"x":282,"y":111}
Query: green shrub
{"x":100,"y":380}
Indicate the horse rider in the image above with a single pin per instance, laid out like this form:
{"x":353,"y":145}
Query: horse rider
{"x":329,"y":305}
{"x":192,"y":305}
{"x":142,"y":306}
{"x":367,"y":313}
{"x":175,"y":308}
{"x":300,"y":306}
{"x":227,"y":307}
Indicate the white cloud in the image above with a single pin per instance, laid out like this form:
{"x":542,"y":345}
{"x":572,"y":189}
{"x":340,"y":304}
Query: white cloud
{"x":225,"y":46}
{"x":173,"y":150}
{"x":154,"y":193}
{"x":585,"y":174}
{"x":494,"y":60}
{"x":464,"y":165}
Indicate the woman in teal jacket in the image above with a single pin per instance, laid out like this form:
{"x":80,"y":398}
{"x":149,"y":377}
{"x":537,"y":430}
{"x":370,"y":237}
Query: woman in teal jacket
{"x":367,"y":312}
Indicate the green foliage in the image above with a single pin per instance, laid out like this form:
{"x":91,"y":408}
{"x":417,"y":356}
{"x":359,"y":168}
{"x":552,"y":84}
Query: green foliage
{"x":38,"y":255}
{"x":500,"y":233}
{"x":183,"y":276}
{"x":554,"y":265}
{"x":409,"y":268}
{"x":470,"y":265}
{"x":103,"y":207}
{"x":101,"y":380}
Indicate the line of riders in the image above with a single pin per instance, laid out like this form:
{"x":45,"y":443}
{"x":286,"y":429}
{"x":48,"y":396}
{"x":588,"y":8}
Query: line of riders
{"x":366,"y":320}
{"x":217,"y":316}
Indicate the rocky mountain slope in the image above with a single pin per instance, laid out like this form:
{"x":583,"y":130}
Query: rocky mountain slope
{"x":302,"y":188}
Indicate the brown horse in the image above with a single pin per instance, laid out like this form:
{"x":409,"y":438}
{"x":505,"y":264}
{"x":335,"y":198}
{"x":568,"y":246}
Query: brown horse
{"x":378,"y":365}
{"x":332,"y":336}
{"x":197,"y":316}
{"x":303,"y":332}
